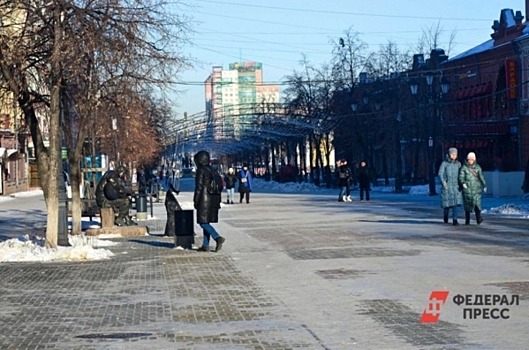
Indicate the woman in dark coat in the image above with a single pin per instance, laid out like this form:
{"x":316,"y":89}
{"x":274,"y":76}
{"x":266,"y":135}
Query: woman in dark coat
{"x":206,"y":204}
{"x":450,"y":193}
{"x":363,"y":180}
{"x":344,"y":181}
{"x":230,"y":179}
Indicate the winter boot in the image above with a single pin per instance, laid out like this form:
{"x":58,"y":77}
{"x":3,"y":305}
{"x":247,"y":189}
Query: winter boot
{"x":455,"y":223}
{"x":467,"y":218}
{"x":445,"y":215}
{"x":220,"y":241}
{"x":120,"y":221}
{"x":129,"y":222}
{"x":479,"y":219}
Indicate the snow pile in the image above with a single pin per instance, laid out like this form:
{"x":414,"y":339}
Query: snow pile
{"x":510,"y":209}
{"x":274,"y":186}
{"x":25,"y":248}
{"x":423,"y":190}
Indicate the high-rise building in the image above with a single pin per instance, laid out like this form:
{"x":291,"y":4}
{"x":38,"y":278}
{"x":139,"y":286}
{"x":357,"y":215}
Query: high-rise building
{"x":235,"y":96}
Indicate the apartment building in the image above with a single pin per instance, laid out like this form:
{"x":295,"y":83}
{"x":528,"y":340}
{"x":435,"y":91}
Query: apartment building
{"x":236,"y":95}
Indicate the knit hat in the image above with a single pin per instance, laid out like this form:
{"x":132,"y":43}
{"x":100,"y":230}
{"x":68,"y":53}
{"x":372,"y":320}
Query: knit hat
{"x":452,"y":150}
{"x":471,"y":155}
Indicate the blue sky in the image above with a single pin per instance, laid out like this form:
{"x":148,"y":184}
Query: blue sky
{"x":277,"y":33}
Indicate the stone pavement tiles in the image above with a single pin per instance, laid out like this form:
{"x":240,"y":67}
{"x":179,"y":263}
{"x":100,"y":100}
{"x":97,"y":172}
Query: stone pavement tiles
{"x":147,"y":296}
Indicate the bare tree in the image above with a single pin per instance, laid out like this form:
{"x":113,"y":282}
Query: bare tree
{"x":349,"y":59}
{"x":67,"y":55}
{"x":388,"y":61}
{"x":308,"y":97}
{"x":432,"y":38}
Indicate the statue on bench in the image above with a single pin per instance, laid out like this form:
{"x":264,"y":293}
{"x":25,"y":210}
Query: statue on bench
{"x":111,"y":192}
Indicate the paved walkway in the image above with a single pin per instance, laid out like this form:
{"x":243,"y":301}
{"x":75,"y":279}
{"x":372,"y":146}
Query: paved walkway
{"x":297,"y":271}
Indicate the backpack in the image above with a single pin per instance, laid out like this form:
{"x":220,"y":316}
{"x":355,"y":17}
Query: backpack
{"x":216,"y":184}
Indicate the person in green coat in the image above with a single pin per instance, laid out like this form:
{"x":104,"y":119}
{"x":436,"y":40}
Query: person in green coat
{"x":450,"y":193}
{"x":473,"y":183}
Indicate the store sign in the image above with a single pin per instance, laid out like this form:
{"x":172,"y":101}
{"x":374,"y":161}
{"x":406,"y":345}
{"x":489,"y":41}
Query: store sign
{"x":511,"y":70}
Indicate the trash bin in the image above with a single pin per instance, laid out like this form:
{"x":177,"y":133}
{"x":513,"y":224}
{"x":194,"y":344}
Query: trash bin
{"x":184,"y":228}
{"x":141,"y":207}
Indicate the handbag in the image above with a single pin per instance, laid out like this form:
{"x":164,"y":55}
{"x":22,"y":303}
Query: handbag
{"x":245,"y":178}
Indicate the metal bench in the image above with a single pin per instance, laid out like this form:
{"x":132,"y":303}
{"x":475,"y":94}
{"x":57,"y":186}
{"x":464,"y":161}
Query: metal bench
{"x":90,"y":208}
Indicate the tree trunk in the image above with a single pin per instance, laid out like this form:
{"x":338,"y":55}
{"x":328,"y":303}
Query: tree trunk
{"x":52,"y":202}
{"x":385,"y":166}
{"x":311,"y":156}
{"x":75,"y":181}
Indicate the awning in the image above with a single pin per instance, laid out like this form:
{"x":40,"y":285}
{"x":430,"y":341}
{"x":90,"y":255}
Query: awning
{"x":473,"y":91}
{"x":480,"y":129}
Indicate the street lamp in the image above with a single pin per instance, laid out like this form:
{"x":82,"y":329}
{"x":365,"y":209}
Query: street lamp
{"x":398,"y":158}
{"x":114,"y":132}
{"x":435,"y":93}
{"x":367,"y":145}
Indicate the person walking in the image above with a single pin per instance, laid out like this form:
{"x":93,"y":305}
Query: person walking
{"x":245,"y":183}
{"x":206,"y":204}
{"x":450,"y":193}
{"x":363,"y":180}
{"x":230,"y":179}
{"x":473,"y":182}
{"x":344,"y":181}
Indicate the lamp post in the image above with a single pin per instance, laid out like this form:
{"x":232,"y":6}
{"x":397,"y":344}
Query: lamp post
{"x":114,"y":134}
{"x":435,"y":92}
{"x":367,"y":145}
{"x":398,"y":160}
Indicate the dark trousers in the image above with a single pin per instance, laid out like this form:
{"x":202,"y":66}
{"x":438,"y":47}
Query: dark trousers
{"x":244,"y":194}
{"x":121,"y":206}
{"x":362,"y":191}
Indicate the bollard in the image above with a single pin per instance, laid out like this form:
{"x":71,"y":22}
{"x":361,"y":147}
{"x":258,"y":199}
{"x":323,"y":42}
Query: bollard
{"x":141,"y":207}
{"x":161,"y":194}
{"x":184,"y":229}
{"x":150,"y":201}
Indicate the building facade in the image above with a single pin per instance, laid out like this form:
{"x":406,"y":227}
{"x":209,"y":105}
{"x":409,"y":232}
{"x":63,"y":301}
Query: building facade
{"x":13,"y":149}
{"x":235,"y":95}
{"x":487,"y":109}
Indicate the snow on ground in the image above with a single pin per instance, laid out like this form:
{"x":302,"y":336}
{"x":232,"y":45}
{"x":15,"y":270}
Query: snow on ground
{"x":26,"y":248}
{"x":31,"y":248}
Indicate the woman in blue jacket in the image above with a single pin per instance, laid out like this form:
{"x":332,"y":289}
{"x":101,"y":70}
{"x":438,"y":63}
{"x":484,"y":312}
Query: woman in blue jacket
{"x":245,"y":183}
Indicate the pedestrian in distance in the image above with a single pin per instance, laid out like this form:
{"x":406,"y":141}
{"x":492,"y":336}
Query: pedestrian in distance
{"x":450,"y":193}
{"x":473,"y":183}
{"x":206,"y":202}
{"x":230,"y":179}
{"x":245,"y":183}
{"x":363,"y":180}
{"x":344,"y":181}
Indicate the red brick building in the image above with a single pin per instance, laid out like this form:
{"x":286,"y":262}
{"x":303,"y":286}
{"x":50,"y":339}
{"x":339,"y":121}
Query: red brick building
{"x":487,"y":109}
